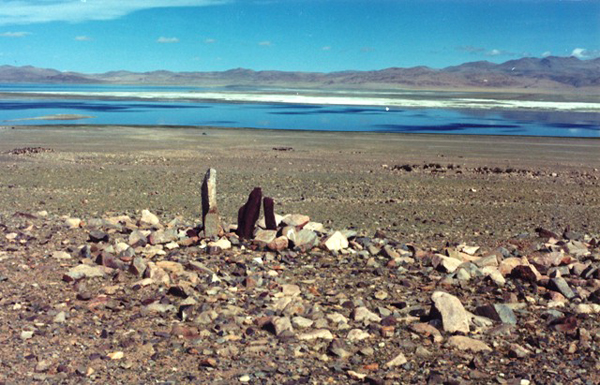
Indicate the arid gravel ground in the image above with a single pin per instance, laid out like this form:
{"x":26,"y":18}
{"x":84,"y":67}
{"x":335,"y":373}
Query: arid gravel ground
{"x":343,"y":179}
{"x":392,"y":307}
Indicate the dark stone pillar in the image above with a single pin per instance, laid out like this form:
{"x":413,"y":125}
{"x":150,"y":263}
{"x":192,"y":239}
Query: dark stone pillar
{"x":270,"y":221}
{"x":248,"y":214}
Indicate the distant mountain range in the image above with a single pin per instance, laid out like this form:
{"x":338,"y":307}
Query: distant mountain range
{"x":531,"y":74}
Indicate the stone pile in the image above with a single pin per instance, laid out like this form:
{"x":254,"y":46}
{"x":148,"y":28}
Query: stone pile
{"x":30,"y":150}
{"x":452,"y":168}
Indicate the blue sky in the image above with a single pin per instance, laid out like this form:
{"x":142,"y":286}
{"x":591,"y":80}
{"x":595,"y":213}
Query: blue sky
{"x":293,"y":35}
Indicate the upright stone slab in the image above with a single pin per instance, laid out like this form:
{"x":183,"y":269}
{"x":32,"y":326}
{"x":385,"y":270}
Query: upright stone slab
{"x":248,"y":214}
{"x":269,"y":207}
{"x":210,"y":213}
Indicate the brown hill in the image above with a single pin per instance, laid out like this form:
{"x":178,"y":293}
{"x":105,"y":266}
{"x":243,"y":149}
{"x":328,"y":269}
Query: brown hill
{"x":551,"y":73}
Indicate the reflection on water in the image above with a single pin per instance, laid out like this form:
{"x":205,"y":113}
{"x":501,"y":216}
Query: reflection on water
{"x":307,"y":117}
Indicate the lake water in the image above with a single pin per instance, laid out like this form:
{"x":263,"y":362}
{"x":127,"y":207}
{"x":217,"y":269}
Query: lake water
{"x":288,"y":116}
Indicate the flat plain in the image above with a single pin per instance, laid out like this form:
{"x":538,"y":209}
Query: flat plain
{"x":345,"y":179}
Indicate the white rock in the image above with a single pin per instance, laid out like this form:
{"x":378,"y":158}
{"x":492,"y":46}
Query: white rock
{"x":149,"y":219}
{"x":400,"y":359}
{"x":73,"y":223}
{"x":357,"y":335}
{"x":262,"y":222}
{"x":120,"y":247}
{"x":337,"y":318}
{"x":454,"y":316}
{"x":144,"y":282}
{"x":61,"y":255}
{"x":116,"y":355}
{"x":449,"y":264}
{"x":323,"y":334}
{"x":265,"y":236}
{"x":282,"y":324}
{"x":336,"y":242}
{"x":175,"y":245}
{"x":223,"y":243}
{"x":471,"y":250}
{"x":295,"y":219}
{"x":290,"y":290}
{"x":61,"y":317}
{"x":26,"y":334}
{"x":362,"y":314}
{"x":587,"y":308}
{"x":157,"y":307}
{"x":466,"y":343}
{"x":494,"y":275}
{"x":85,"y":271}
{"x":301,"y":322}
{"x":315,"y":226}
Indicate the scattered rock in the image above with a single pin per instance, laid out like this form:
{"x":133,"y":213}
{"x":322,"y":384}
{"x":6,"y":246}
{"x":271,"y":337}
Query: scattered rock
{"x":467,"y":343}
{"x":61,"y":255}
{"x":84,"y":271}
{"x":316,"y":334}
{"x":451,"y":311}
{"x":398,"y":360}
{"x":498,"y":312}
{"x":335,"y":242}
{"x":560,"y":285}
{"x":149,"y":219}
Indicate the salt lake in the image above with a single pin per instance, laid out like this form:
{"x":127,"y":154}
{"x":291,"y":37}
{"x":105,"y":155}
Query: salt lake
{"x":394,"y":112}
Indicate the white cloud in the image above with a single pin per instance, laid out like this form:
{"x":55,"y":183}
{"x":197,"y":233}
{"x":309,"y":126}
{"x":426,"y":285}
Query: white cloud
{"x":167,"y":40}
{"x":42,"y":11}
{"x":579,"y":53}
{"x":15,"y":34}
{"x":546,"y":54}
{"x":265,"y":43}
{"x":83,"y":38}
{"x":501,"y":52}
{"x":582,"y":53}
{"x":210,"y":41}
{"x":326,"y":48}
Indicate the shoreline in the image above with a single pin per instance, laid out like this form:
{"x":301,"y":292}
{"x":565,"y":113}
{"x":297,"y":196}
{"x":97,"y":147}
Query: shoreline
{"x":343,"y":99}
{"x":444,"y":135}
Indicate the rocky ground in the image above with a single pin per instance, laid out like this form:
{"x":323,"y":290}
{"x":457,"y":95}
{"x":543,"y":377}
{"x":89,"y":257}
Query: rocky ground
{"x":469,"y":260}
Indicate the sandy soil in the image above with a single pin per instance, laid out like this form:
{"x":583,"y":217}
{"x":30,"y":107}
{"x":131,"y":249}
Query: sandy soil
{"x":343,"y":179}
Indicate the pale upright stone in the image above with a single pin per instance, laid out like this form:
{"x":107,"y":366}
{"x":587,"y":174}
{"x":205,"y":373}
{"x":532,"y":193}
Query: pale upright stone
{"x":210,"y":213}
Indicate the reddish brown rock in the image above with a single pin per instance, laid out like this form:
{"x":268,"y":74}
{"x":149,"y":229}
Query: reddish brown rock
{"x":248,"y":214}
{"x":269,"y":208}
